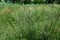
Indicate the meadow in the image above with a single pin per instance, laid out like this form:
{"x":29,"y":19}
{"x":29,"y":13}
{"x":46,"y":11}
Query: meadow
{"x":29,"y":21}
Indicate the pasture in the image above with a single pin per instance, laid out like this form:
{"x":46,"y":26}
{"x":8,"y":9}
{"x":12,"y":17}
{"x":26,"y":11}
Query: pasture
{"x":29,"y":22}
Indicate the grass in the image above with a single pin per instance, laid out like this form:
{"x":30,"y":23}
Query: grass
{"x":29,"y":22}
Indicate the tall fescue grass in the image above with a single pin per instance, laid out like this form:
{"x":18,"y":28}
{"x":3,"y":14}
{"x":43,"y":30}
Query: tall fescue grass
{"x":29,"y":22}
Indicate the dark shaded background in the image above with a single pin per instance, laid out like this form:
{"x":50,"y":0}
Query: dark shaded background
{"x":32,"y":1}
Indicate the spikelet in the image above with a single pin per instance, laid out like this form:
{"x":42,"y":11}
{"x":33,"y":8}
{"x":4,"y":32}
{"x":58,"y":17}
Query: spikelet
{"x":7,"y":10}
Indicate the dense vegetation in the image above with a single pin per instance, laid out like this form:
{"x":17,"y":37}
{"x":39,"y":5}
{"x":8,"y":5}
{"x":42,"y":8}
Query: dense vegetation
{"x":32,"y":1}
{"x":29,"y":22}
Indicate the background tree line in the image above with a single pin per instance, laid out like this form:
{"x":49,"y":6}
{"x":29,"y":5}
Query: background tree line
{"x":32,"y":1}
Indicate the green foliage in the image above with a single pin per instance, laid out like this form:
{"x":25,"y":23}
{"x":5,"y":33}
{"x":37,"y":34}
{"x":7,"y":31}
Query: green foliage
{"x":29,"y":22}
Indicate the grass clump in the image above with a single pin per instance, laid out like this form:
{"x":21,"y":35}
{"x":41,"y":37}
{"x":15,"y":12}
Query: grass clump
{"x":29,"y":22}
